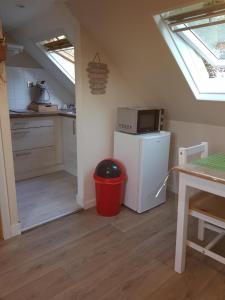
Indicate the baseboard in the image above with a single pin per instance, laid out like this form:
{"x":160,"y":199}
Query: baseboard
{"x":172,"y":188}
{"x":15,"y":229}
{"x":90,"y":203}
{"x":71,"y":171}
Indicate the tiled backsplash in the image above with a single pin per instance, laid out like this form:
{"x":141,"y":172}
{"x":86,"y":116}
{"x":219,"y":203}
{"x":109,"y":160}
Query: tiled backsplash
{"x":19,"y":94}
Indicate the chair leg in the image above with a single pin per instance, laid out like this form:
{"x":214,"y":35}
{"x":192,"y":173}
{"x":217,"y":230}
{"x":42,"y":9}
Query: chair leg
{"x":201,"y":230}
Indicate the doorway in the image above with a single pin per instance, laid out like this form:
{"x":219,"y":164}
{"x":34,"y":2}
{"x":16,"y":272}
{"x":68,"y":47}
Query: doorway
{"x":43,"y":131}
{"x":51,"y":159}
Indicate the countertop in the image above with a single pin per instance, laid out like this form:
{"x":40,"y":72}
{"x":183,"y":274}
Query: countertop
{"x":33,"y":114}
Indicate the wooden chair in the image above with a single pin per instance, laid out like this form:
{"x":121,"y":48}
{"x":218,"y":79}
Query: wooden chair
{"x":209,"y":209}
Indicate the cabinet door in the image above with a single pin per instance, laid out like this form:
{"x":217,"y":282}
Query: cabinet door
{"x":69,"y":145}
{"x":23,"y":123}
{"x":31,"y":138}
{"x":30,"y":161}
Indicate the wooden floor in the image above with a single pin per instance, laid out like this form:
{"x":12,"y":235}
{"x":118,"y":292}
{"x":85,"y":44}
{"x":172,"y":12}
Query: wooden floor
{"x":45,"y":198}
{"x":84,"y":256}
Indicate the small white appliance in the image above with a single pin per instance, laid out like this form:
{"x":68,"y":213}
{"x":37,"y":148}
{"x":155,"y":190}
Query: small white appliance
{"x":146,"y":158}
{"x":138,"y":120}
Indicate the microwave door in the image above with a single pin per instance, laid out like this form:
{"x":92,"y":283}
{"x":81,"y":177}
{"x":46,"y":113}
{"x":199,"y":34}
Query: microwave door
{"x":148,"y":121}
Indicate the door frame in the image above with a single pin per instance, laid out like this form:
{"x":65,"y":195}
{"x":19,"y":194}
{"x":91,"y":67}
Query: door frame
{"x":8,"y":202}
{"x":4,"y":203}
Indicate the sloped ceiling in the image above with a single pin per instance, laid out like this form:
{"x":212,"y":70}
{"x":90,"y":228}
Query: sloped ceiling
{"x":37,"y":21}
{"x":127,"y":32}
{"x":15,"y":13}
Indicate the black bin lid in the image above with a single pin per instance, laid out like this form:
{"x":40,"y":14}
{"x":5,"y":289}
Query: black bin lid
{"x":108,"y":169}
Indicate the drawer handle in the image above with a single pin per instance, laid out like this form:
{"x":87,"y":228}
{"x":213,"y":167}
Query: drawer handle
{"x":21,"y":132}
{"x":20,"y":123}
{"x":74,"y":129}
{"x":23,"y":154}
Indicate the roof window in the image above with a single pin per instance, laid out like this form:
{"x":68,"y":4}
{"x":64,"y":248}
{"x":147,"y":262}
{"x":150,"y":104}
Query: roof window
{"x":196,"y":37}
{"x":61,"y":52}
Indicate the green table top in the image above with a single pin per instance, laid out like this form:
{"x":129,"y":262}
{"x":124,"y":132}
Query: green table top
{"x":214,"y":161}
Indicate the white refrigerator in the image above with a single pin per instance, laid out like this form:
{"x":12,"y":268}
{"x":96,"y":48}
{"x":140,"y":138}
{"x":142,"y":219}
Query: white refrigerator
{"x":146,"y":158}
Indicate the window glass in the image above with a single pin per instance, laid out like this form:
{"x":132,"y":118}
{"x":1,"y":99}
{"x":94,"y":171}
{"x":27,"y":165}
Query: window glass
{"x":61,"y":52}
{"x":213,"y":37}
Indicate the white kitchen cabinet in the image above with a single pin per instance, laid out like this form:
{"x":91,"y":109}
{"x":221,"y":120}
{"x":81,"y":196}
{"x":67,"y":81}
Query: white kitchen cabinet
{"x":22,"y":123}
{"x":37,"y":146}
{"x":34,"y":162}
{"x":69,"y":145}
{"x":31,"y":138}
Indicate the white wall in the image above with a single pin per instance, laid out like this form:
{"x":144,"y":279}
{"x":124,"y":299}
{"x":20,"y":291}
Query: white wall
{"x":54,"y":21}
{"x":22,"y":68}
{"x":130,"y":37}
{"x":19,"y":95}
{"x":22,"y":59}
{"x":96,"y":115}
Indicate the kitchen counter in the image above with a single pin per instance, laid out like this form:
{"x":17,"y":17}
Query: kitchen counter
{"x":33,"y":114}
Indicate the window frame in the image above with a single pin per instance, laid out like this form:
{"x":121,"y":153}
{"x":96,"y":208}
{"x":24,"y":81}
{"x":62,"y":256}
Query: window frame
{"x":179,"y":50}
{"x":55,"y":62}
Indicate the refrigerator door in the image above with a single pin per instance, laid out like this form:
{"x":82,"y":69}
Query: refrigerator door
{"x":154,"y":168}
{"x":127,"y":150}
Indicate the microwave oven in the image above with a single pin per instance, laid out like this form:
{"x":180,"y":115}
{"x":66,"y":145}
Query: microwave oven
{"x":138,"y":120}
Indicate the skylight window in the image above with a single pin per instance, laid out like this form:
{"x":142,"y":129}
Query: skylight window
{"x":196,"y":37}
{"x":61,"y":52}
{"x":213,"y":38}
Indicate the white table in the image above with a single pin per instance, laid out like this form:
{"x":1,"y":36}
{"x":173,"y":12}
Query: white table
{"x":201,"y":178}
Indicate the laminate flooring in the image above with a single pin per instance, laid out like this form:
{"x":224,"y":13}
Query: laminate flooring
{"x":127,"y":257}
{"x":46,"y":198}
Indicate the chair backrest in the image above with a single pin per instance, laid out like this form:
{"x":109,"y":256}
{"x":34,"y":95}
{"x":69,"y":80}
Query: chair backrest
{"x":184,"y":153}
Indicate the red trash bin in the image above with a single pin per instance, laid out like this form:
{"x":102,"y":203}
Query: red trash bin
{"x":110,"y":177}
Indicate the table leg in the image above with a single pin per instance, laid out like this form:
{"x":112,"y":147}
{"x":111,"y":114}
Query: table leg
{"x":182,"y":223}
